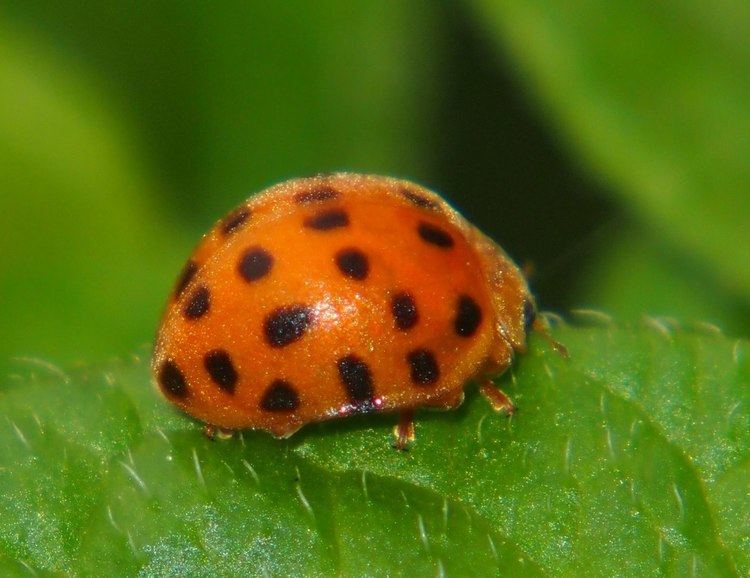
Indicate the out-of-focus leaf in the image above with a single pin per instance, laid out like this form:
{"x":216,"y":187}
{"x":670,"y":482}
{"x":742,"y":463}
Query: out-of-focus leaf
{"x":310,"y":87}
{"x":628,"y":458}
{"x":234,"y":96}
{"x":81,"y":249}
{"x":636,"y":275}
{"x":655,"y":96}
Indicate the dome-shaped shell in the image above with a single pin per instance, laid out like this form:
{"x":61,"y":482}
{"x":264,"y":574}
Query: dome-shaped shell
{"x":332,"y":295}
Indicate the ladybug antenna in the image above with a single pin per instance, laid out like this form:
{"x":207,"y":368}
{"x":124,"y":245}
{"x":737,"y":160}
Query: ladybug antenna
{"x":588,"y":243}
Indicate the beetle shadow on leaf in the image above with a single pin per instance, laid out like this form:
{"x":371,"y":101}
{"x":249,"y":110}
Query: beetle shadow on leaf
{"x":380,"y":424}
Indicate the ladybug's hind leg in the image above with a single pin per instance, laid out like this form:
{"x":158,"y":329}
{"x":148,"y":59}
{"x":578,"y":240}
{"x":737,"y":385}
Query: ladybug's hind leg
{"x":404,"y":431}
{"x":215,"y":433}
{"x":500,"y":402}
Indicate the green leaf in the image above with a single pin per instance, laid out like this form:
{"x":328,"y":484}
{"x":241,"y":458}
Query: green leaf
{"x":315,"y":87}
{"x":628,"y":458}
{"x":636,"y":273}
{"x":82,"y":247}
{"x":654,"y":96}
{"x":234,"y":96}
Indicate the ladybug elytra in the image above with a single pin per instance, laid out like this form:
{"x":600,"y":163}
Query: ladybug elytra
{"x":336,"y":295}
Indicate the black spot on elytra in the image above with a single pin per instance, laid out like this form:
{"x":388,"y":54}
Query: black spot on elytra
{"x":198,"y":303}
{"x":353,"y":263}
{"x":221,"y":369}
{"x":424,"y":367}
{"x":529,"y":315}
{"x":419,"y":200}
{"x":172,"y":381}
{"x":435,"y":235}
{"x":404,"y":310}
{"x":234,"y":220}
{"x":287,"y":324}
{"x":468,"y":316}
{"x":280,"y":396}
{"x":318,"y":195}
{"x":187,"y":274}
{"x":255,"y":263}
{"x":357,"y":379}
{"x":326,"y":220}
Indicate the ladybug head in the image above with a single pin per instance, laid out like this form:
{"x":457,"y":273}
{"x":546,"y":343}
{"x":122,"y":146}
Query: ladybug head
{"x":529,"y":315}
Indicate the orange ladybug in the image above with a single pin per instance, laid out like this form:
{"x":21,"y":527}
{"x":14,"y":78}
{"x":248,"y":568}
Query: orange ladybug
{"x":336,"y":295}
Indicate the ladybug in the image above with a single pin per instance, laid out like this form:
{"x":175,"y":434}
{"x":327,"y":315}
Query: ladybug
{"x":336,"y":295}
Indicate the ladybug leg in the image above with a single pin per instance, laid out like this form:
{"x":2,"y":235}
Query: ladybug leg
{"x":543,"y":329}
{"x":404,"y":431}
{"x":216,"y":433}
{"x":498,"y":400}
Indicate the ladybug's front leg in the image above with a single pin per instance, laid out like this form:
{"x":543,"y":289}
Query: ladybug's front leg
{"x":404,"y":431}
{"x":497,"y":398}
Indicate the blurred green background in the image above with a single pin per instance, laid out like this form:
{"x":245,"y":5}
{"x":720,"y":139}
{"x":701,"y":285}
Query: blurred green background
{"x":606,"y":143}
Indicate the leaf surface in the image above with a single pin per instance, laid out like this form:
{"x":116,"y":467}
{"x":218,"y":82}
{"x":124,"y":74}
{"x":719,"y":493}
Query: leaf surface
{"x":628,"y":458}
